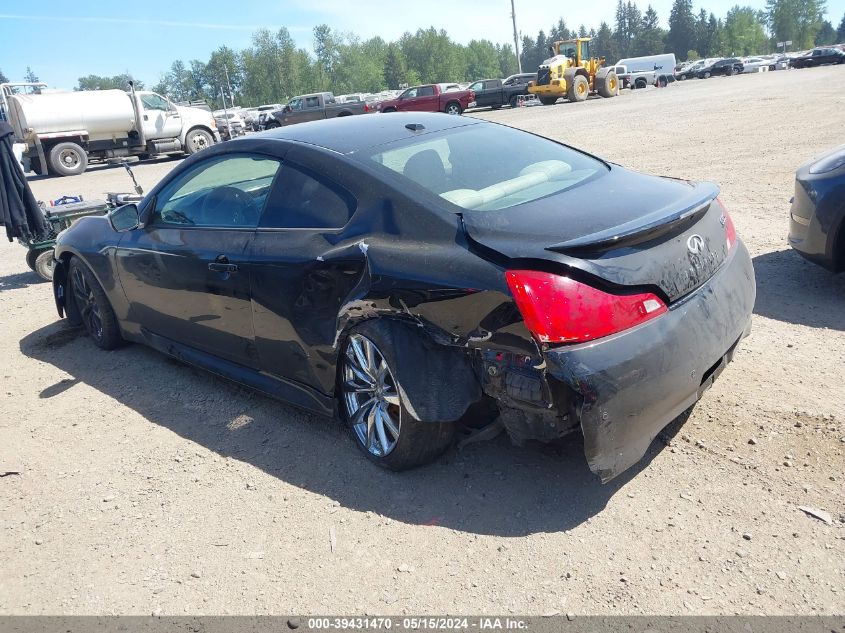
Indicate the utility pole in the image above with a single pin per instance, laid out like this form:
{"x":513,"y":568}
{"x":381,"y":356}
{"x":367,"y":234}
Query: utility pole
{"x":515,"y":37}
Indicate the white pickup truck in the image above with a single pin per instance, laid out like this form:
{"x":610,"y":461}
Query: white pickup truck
{"x":651,"y":70}
{"x":62,"y":130}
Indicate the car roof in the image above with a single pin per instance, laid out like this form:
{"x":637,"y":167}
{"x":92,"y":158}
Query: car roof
{"x":346,"y":135}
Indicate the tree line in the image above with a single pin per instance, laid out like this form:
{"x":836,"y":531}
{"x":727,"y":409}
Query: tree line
{"x":743,"y":31}
{"x":273,"y":68}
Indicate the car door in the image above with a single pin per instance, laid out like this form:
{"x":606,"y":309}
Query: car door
{"x":405,"y":100}
{"x":296,"y":292}
{"x":184,"y":271}
{"x":426,"y":100}
{"x":312,"y":110}
{"x":160,"y":118}
{"x":482,"y":98}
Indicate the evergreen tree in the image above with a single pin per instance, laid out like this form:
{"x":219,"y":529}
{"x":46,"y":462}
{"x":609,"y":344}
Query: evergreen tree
{"x":826,"y":35}
{"x":840,"y":32}
{"x":3,"y":78}
{"x":650,"y":39}
{"x":681,"y":36}
{"x":30,"y":77}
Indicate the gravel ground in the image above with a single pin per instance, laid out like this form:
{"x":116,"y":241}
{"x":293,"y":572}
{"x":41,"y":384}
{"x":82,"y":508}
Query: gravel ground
{"x":144,"y":486}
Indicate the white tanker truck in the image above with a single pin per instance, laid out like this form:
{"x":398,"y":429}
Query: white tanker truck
{"x":62,"y":130}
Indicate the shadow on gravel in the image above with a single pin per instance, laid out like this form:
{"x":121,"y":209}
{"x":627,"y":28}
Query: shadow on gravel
{"x":791,"y":289}
{"x":20,"y":280}
{"x":488,"y":488}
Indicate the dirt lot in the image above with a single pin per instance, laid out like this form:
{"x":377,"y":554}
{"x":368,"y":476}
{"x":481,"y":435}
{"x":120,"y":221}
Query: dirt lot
{"x":148,"y":487}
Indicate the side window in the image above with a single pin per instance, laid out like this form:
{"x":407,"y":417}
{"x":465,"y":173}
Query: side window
{"x":410,"y":94}
{"x":154,"y":102}
{"x":312,"y":102}
{"x":490,"y":85}
{"x":295,"y":104}
{"x":302,"y":200}
{"x":225,"y":191}
{"x":426,"y":91}
{"x":476,"y":86}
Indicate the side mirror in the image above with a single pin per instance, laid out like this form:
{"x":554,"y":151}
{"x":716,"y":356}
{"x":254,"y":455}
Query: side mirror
{"x":125,"y":218}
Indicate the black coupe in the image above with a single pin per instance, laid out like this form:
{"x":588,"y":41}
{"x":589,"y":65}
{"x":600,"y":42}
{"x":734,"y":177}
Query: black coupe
{"x":817,"y":216}
{"x":417,"y":271}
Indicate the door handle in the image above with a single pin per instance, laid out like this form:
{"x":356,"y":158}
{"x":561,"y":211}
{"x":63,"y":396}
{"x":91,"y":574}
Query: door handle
{"x":221,"y":265}
{"x":223,"y":268}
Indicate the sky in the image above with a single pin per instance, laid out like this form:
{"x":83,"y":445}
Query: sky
{"x":62,"y":40}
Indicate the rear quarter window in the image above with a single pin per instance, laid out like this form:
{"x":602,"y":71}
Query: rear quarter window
{"x":303,"y":200}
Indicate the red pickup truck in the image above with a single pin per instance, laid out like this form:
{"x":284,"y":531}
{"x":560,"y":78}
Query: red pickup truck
{"x":448,"y":98}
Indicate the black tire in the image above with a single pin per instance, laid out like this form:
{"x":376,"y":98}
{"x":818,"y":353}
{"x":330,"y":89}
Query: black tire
{"x":271,"y":124}
{"x":36,"y":166}
{"x":44,"y":264}
{"x":496,"y":107}
{"x":682,"y":78}
{"x":197,"y":139}
{"x":453,"y":107}
{"x":514,"y":101}
{"x":386,"y":110}
{"x":607,"y":84}
{"x":729,"y":71}
{"x":548,"y":100}
{"x":67,"y":159}
{"x":641,"y":83}
{"x":706,"y":75}
{"x":579,"y":89}
{"x":92,"y":306}
{"x":32,"y":255}
{"x":662,"y":82}
{"x":417,"y":442}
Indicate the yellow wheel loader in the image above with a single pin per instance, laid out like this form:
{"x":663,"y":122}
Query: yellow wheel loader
{"x":573,"y":74}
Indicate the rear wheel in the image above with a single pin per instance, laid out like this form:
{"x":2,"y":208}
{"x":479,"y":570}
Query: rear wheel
{"x":32,"y":256}
{"x":68,"y":159}
{"x":453,"y":107}
{"x":92,"y":306}
{"x":44,"y":264}
{"x":607,"y":84}
{"x":386,"y":110}
{"x":372,"y":404}
{"x":514,"y":101}
{"x":578,"y":89}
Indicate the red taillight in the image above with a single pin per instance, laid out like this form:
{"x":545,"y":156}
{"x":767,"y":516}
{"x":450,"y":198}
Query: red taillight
{"x":562,"y":310}
{"x":366,"y":108}
{"x":728,"y":223}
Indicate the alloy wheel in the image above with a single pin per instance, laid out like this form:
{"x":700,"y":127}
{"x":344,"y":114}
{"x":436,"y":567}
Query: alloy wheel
{"x":87,"y":305}
{"x":370,"y":396}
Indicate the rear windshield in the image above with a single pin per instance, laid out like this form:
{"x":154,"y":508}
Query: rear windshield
{"x":487,"y":167}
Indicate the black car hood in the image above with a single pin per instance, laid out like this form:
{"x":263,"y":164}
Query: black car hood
{"x":624,"y":227}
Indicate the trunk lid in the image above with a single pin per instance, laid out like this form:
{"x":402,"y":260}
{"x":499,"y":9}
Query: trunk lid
{"x":625,"y":228}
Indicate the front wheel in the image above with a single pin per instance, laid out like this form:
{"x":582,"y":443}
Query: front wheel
{"x":453,"y":107}
{"x":92,"y":307}
{"x":198,"y":140}
{"x":373,"y":406}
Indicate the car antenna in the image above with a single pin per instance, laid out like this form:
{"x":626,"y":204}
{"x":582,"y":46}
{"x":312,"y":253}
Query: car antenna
{"x":138,"y":189}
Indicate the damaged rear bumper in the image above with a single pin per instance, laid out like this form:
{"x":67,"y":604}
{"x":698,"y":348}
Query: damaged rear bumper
{"x":631,"y":385}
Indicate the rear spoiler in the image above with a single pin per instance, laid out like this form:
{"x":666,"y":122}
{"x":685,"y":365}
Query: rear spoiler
{"x":657,"y":224}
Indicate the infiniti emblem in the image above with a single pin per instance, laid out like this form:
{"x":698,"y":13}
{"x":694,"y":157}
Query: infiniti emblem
{"x":695,"y":244}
